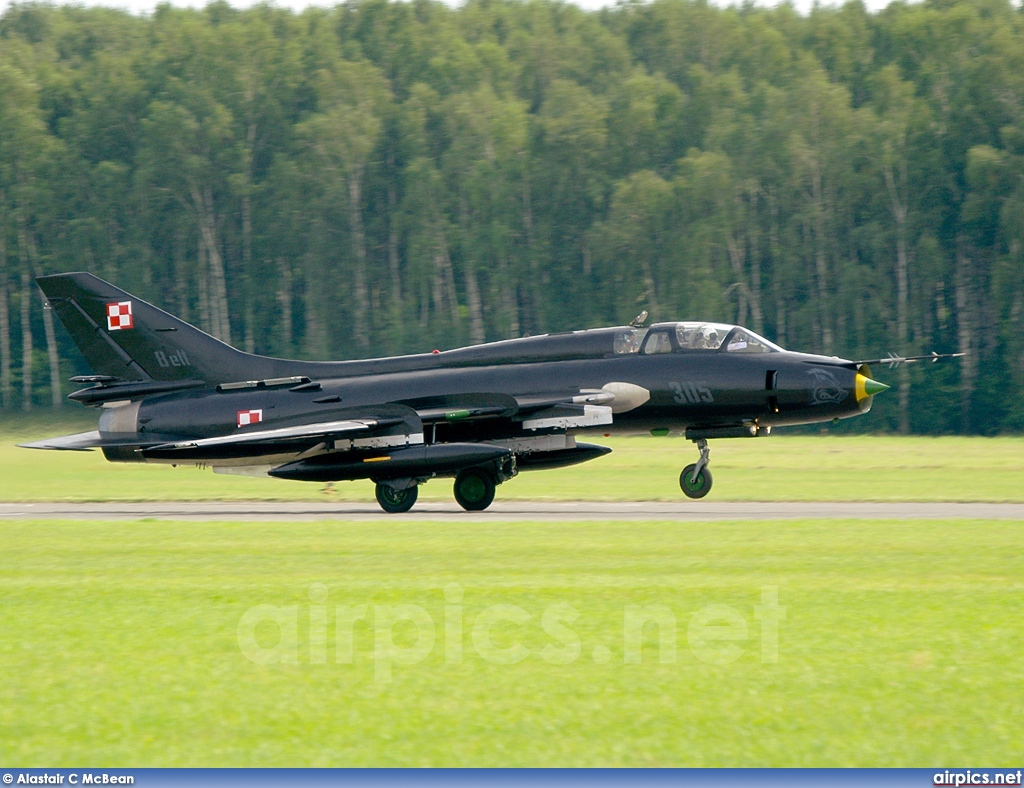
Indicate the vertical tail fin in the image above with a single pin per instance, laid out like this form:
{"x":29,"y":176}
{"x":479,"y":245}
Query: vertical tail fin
{"x":127,"y":338}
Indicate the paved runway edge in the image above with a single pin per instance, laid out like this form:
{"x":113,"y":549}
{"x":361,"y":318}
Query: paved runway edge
{"x":683,"y":511}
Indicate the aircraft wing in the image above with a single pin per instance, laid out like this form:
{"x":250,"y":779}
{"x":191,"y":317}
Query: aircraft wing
{"x":394,"y":429}
{"x":302,"y":433}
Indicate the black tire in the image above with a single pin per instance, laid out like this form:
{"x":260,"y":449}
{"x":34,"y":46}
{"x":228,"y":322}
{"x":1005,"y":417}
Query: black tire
{"x":474,"y":489}
{"x":395,"y":501}
{"x":695,"y":488}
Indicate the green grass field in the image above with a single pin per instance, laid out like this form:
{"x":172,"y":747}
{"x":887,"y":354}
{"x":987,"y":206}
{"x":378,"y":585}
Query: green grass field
{"x":901,"y":645}
{"x":125,"y":644}
{"x":777,"y":468}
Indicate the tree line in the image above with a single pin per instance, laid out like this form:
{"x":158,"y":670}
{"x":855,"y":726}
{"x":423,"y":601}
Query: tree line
{"x":391,"y":177}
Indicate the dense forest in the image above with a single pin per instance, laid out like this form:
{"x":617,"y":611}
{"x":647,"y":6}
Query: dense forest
{"x":391,"y":177}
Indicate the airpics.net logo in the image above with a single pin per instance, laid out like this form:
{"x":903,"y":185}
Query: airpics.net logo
{"x":974,"y":777}
{"x":407,"y":634}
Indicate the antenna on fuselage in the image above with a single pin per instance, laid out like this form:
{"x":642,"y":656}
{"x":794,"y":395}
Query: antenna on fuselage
{"x":639,"y":320}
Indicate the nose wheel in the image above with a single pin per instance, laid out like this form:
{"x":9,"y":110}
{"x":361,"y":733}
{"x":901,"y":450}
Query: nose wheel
{"x":695,"y":480}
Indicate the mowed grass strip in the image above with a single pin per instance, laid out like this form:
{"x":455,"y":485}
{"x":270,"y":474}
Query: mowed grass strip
{"x":901,"y":645}
{"x":776,"y":468}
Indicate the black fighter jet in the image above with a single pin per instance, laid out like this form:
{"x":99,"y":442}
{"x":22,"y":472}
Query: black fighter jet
{"x":169,"y":393}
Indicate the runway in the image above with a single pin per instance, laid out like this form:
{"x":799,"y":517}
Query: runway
{"x":537,"y":511}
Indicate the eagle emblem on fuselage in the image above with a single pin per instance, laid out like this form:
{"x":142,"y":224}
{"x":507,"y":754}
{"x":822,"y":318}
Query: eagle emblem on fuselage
{"x":826,"y":387}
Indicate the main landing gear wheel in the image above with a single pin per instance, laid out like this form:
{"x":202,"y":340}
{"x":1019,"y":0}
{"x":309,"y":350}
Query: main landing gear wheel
{"x":695,"y":485}
{"x":395,"y":501}
{"x":695,"y":480}
{"x":474,"y":489}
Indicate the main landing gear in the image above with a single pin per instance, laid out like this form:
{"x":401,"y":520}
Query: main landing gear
{"x":474,"y":489}
{"x":695,"y":480}
{"x":395,"y":501}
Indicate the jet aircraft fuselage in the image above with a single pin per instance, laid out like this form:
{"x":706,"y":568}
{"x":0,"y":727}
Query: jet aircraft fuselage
{"x":674,"y":391}
{"x":169,"y":393}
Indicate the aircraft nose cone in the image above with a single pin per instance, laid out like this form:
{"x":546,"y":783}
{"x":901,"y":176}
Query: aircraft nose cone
{"x":866,"y":387}
{"x":872,"y":387}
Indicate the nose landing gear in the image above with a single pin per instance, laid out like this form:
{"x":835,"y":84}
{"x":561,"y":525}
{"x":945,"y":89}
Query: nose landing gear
{"x":695,"y":480}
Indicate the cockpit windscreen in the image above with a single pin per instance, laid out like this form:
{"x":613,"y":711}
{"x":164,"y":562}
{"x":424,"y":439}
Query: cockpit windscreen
{"x":712,"y":336}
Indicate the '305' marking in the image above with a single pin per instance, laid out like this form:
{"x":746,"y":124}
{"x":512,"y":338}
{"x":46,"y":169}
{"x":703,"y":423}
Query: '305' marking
{"x":688,"y":393}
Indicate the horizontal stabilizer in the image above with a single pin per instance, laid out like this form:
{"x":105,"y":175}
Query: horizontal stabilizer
{"x":86,"y":441}
{"x":82,"y":441}
{"x":113,"y":392}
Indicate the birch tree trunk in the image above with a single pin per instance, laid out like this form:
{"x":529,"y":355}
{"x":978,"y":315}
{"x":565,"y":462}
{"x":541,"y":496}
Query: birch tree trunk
{"x":53,"y":357}
{"x":821,"y":260}
{"x":533,"y":320}
{"x":757,"y":313}
{"x":737,"y":253}
{"x":395,"y":273}
{"x":966,"y":343}
{"x":250,"y":319}
{"x":316,"y":335}
{"x":394,"y":263}
{"x":361,"y":309}
{"x":203,"y":284}
{"x":220,"y":323}
{"x":508,"y":300}
{"x":476,"y":314}
{"x":56,"y":396}
{"x":26,"y":338}
{"x":110,"y":263}
{"x":774,"y":250}
{"x":473,"y":301}
{"x":181,"y":276}
{"x":250,"y":340}
{"x":5,"y":328}
{"x":284,"y":298}
{"x":250,"y":314}
{"x":898,"y":205}
{"x":651,"y":292}
{"x":219,"y":283}
{"x":444,"y":279}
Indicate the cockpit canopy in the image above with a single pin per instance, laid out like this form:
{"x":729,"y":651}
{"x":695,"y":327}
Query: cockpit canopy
{"x":691,"y":336}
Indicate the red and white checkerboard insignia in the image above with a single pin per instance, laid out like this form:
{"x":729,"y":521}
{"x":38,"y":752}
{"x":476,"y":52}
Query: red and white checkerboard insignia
{"x":119,"y":316}
{"x":247,"y":417}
